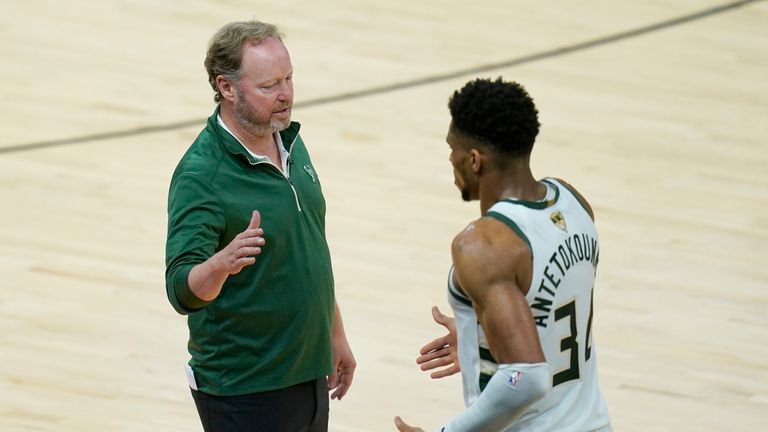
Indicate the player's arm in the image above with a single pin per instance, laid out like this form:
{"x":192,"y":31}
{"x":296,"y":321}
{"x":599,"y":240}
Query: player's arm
{"x":489,"y":259}
{"x":491,"y":264}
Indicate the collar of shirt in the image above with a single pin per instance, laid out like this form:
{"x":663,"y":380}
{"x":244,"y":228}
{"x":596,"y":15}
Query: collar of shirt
{"x":283,"y":152}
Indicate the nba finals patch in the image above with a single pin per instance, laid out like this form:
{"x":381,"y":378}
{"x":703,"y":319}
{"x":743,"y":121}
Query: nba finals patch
{"x":558,"y":219}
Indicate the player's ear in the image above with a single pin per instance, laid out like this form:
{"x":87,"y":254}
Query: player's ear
{"x":226,"y":88}
{"x":476,"y":160}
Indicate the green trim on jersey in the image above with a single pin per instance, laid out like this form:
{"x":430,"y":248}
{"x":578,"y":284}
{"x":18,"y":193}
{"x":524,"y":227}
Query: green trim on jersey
{"x":507,"y":221}
{"x":536,"y":205}
{"x":456,"y":291}
{"x":460,"y":298}
{"x":574,"y":193}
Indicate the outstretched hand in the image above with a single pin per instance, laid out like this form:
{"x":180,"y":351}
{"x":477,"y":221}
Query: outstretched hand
{"x":404,"y":427}
{"x":241,"y":251}
{"x":207,"y":278}
{"x":441,"y":352}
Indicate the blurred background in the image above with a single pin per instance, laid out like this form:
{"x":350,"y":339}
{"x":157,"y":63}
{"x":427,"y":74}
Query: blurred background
{"x":656,"y":111}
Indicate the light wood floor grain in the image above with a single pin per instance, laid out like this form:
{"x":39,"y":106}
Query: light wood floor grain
{"x":663,"y":129}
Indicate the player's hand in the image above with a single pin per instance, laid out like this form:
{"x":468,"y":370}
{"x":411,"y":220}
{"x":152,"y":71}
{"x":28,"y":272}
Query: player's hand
{"x":404,"y":427}
{"x":242,"y":250}
{"x":441,"y":352}
{"x":344,"y":365}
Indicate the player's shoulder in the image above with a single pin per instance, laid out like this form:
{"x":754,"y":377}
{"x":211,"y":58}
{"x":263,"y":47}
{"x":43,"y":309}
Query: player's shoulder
{"x":468,"y":238}
{"x":485,"y":253}
{"x":485,"y":238}
{"x":477,"y":232}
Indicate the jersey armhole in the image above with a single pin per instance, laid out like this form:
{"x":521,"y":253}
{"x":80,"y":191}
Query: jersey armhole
{"x":516,"y":229}
{"x":512,"y":225}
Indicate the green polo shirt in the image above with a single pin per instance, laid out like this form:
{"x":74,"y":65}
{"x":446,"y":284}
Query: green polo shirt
{"x":270,"y":327}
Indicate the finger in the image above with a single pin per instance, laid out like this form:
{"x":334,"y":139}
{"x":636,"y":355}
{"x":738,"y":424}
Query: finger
{"x":339,"y":392}
{"x":252,"y":232}
{"x":345,"y":382}
{"x":442,"y":352}
{"x":333,"y":379}
{"x":246,"y":242}
{"x":338,"y":386}
{"x":436,"y":344}
{"x":255,"y":220}
{"x":444,"y":372}
{"x":240,"y":263}
{"x":247,"y":252}
{"x":436,"y":363}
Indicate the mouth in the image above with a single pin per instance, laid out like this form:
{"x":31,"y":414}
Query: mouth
{"x":284,"y":111}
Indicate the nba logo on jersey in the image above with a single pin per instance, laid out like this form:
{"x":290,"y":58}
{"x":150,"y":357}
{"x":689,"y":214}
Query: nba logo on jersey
{"x":558,"y":219}
{"x":513,"y":379}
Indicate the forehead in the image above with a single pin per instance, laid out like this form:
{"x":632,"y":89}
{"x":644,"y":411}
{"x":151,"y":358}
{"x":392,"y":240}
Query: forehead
{"x":266,"y":59}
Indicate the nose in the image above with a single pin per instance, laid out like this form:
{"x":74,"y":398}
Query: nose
{"x":286,"y":91}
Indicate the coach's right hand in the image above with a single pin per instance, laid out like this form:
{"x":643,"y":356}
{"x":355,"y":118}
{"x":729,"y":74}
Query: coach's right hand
{"x":207,"y":278}
{"x":242,"y":250}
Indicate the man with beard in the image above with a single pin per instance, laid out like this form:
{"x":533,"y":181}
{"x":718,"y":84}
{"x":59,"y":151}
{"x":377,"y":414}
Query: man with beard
{"x":246,"y":256}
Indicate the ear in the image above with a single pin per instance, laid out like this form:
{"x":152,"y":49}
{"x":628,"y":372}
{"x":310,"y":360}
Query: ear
{"x":476,"y":160}
{"x":226,"y":88}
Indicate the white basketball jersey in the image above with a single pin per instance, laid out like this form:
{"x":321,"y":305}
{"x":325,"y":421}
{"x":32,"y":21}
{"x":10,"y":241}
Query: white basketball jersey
{"x":565,"y":249}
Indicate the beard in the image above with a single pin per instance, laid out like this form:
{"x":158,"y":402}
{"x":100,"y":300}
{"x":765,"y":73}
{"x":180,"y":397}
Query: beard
{"x":248,"y":118}
{"x":462,"y":186}
{"x":465,"y":195}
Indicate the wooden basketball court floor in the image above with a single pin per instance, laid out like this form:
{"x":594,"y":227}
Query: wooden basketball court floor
{"x":656,"y":110}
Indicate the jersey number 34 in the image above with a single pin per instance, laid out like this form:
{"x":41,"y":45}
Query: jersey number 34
{"x":570,"y":343}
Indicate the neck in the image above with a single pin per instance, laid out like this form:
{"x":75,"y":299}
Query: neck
{"x":514,"y":181}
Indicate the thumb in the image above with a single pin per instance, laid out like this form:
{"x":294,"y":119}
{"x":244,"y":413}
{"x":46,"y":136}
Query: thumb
{"x":333,"y":378}
{"x":401,"y":425}
{"x":438,"y":316}
{"x":255,"y":220}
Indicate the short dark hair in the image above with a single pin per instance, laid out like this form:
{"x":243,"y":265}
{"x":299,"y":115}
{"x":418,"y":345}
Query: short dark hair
{"x":499,"y":114}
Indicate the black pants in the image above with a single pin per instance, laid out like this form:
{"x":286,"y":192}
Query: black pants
{"x":300,"y":408}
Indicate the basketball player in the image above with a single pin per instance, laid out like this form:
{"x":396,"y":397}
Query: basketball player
{"x":522,"y":279}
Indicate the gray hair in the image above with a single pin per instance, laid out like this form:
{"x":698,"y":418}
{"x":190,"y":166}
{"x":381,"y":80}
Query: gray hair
{"x":225,"y":49}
